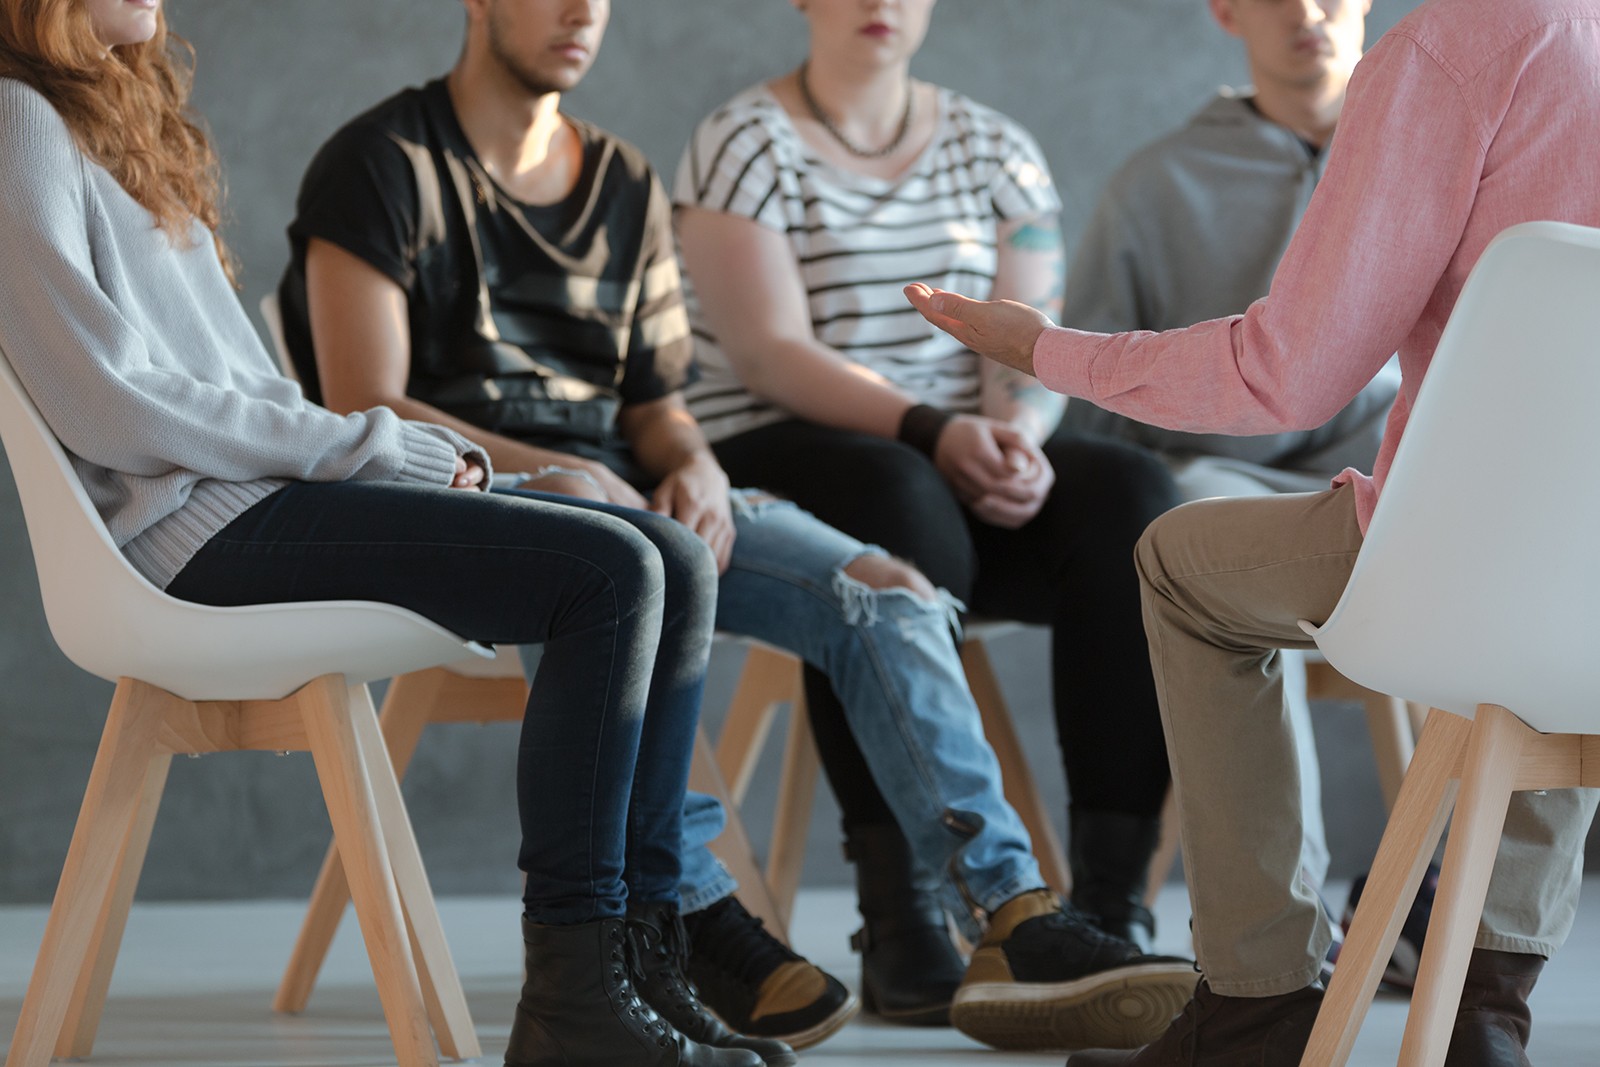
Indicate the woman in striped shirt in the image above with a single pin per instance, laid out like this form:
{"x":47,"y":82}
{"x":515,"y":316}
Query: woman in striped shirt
{"x":804,"y":205}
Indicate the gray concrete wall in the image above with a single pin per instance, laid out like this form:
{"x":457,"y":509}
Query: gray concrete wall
{"x":1092,"y":78}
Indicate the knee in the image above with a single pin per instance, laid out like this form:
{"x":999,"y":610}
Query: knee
{"x":900,"y":477}
{"x":874,"y":587}
{"x":886,"y":572}
{"x":1123,"y":486}
{"x":686,"y":561}
{"x":625,"y":568}
{"x":1166,"y":542}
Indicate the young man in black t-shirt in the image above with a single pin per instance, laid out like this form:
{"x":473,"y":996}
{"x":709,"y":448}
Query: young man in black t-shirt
{"x":467,"y":254}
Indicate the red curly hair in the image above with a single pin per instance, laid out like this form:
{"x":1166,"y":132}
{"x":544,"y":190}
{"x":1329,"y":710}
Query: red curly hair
{"x":127,"y":108}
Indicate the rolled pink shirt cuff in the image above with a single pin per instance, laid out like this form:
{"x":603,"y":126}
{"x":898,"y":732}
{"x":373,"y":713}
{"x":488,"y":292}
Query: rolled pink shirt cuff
{"x":1061,"y":359}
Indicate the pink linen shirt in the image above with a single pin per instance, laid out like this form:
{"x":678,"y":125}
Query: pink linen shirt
{"x":1468,"y":117}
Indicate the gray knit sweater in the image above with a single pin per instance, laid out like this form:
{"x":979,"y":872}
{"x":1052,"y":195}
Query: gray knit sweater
{"x":135,"y":350}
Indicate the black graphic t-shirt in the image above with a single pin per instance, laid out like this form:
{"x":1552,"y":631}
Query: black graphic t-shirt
{"x":533,"y":321}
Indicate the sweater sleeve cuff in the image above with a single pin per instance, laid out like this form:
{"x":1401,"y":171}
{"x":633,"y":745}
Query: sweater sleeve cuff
{"x":1061,"y":360}
{"x":430,"y":455}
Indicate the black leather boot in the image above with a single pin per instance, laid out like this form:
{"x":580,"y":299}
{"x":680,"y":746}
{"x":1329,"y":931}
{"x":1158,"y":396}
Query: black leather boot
{"x":660,"y":949}
{"x":1493,"y":1022}
{"x":909,"y":968}
{"x":579,"y":1007}
{"x":1109,"y":853}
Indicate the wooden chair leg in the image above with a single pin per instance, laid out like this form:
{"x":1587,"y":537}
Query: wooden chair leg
{"x":1420,"y":812}
{"x":342,"y":768}
{"x":1017,"y":778}
{"x":769,"y":678}
{"x":89,"y":999}
{"x":733,"y":846}
{"x":797,"y":787}
{"x":441,"y":984}
{"x":1487,"y":778}
{"x":407,"y":707}
{"x":1389,"y":723}
{"x":121,"y":767}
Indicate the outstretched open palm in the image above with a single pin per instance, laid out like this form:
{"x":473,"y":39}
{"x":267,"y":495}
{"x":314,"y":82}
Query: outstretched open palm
{"x":1001,"y":330}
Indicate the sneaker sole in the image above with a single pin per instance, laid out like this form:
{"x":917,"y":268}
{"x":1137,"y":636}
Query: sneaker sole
{"x":1124,"y":1008}
{"x":817,"y":1033}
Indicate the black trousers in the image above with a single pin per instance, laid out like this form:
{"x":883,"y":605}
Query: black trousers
{"x":1070,"y":568}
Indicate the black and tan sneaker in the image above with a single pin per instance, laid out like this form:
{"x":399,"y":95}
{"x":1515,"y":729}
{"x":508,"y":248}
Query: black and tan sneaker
{"x":1043,"y":977}
{"x":756,"y":985}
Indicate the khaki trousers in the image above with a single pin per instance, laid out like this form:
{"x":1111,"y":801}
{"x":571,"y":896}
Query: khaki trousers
{"x":1225,"y":583}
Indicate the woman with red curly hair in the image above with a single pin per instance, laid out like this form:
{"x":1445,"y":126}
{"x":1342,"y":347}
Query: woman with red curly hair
{"x":223,"y":485}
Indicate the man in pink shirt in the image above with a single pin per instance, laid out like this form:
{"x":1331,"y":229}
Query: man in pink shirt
{"x":1469,"y":117}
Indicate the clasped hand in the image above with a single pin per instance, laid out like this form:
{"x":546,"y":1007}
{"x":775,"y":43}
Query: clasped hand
{"x":995,"y":470}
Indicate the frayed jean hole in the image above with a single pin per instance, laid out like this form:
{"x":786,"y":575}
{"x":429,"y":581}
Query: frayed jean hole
{"x":752,"y":503}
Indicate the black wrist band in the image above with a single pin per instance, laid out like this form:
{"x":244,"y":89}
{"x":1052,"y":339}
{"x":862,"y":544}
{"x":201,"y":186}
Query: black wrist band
{"x":921,"y":426}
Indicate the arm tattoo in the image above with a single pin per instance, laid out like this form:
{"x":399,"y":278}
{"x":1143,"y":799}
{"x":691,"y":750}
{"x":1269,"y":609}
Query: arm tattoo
{"x":1036,"y":237}
{"x":1043,"y":238}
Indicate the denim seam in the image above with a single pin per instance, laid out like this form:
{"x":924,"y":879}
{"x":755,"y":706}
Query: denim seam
{"x":594,"y":780}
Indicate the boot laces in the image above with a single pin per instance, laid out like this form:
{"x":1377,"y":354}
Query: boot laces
{"x":626,"y":953}
{"x":668,"y":943}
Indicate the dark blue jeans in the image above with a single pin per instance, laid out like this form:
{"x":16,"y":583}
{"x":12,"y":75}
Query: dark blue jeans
{"x":624,"y":608}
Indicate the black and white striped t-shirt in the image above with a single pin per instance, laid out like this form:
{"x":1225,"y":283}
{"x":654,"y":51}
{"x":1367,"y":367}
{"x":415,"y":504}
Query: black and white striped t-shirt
{"x":859,"y":240}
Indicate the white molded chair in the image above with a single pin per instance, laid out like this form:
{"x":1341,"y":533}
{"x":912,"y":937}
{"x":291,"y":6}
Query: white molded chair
{"x":193,"y":679}
{"x":1474,"y":594}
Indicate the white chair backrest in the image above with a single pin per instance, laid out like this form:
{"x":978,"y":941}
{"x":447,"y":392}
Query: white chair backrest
{"x":112,"y":622}
{"x":1480,"y":574}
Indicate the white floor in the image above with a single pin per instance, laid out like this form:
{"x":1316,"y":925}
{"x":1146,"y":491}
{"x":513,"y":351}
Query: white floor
{"x":195,"y":981}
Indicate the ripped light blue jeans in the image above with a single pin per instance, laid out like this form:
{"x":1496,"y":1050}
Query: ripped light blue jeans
{"x":891,"y":656}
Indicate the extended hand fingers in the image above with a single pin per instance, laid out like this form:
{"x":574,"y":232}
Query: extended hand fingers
{"x":952,"y":313}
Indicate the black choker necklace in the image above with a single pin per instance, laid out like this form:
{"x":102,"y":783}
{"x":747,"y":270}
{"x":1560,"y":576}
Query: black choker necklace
{"x":838,"y":135}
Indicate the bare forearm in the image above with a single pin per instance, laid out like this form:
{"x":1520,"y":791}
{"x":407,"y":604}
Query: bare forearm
{"x":665,"y":443}
{"x":815,"y":383}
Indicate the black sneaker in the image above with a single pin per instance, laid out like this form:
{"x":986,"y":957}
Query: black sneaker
{"x":1401,"y":972}
{"x":660,"y":949}
{"x":758,"y":986}
{"x":1043,"y":977}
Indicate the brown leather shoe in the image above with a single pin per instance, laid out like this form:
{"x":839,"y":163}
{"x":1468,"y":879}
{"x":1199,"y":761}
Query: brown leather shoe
{"x":1493,"y":1022}
{"x":1219,"y":1031}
